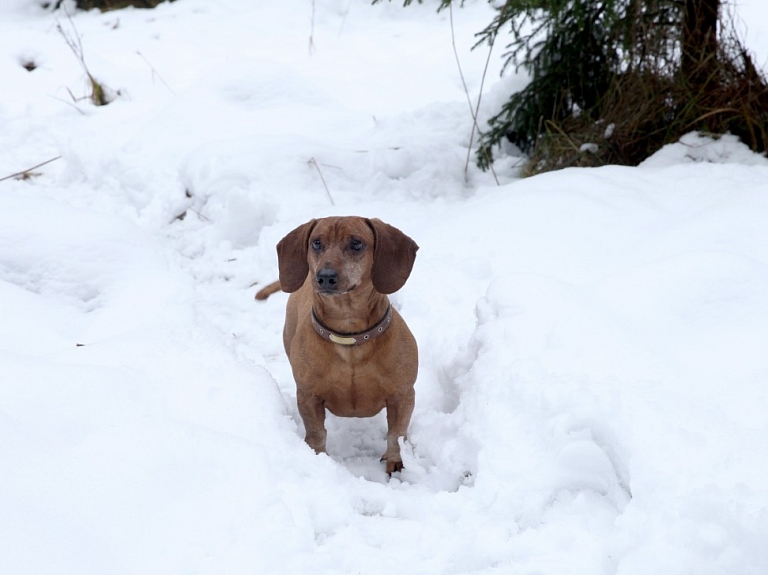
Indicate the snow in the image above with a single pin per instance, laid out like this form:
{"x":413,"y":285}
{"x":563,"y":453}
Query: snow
{"x":593,"y":385}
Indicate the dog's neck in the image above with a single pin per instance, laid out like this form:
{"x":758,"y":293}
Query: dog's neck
{"x":353,"y":312}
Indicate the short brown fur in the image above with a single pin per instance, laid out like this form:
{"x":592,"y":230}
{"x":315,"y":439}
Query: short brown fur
{"x":349,"y":381}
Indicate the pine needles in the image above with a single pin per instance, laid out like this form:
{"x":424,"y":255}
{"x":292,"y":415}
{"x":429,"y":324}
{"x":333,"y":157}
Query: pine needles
{"x":625,"y":65}
{"x":612,"y":81}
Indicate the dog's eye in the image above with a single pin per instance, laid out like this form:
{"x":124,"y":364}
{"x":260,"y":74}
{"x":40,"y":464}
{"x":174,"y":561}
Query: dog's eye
{"x":316,"y":245}
{"x":357,"y":245}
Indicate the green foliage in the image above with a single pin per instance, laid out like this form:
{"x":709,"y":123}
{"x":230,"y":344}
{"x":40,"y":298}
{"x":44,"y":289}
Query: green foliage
{"x":567,"y":48}
{"x":612,"y":81}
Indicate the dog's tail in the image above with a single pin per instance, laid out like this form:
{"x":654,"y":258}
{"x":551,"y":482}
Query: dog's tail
{"x":267,"y":291}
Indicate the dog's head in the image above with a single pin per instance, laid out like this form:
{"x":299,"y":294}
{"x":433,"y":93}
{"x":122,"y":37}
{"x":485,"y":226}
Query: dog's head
{"x":341,"y":254}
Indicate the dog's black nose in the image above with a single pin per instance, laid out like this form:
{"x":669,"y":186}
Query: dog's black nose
{"x":327,"y":278}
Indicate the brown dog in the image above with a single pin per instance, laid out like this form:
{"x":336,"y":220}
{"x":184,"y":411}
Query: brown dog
{"x":350,"y":351}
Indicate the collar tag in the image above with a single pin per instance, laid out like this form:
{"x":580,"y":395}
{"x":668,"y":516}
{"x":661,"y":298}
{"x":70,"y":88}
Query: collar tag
{"x":353,"y":338}
{"x":342,"y":340}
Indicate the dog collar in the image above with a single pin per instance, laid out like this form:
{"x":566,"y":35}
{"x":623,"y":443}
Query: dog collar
{"x":353,"y":338}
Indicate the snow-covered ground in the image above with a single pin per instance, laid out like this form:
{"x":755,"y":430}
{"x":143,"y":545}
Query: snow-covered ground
{"x":593,"y":388}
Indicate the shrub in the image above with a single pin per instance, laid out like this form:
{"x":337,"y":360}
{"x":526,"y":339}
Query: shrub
{"x":612,"y":81}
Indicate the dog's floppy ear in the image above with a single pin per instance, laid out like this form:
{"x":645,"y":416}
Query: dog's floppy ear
{"x":292,"y":257}
{"x":393,"y":257}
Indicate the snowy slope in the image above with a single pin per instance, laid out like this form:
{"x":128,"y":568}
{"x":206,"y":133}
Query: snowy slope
{"x":593,"y":386}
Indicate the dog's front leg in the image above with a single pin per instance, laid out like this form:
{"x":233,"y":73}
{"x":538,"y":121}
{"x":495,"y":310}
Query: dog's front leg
{"x":312,"y":412}
{"x":399,"y":410}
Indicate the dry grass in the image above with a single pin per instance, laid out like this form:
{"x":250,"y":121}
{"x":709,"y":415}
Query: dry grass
{"x":640,"y":113}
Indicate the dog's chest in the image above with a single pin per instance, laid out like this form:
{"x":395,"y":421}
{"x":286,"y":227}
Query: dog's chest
{"x":349,"y":381}
{"x":355,"y":397}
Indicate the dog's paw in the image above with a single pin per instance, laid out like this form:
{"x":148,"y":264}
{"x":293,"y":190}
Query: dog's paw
{"x":394,"y":466}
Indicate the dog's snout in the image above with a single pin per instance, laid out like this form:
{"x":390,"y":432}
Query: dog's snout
{"x":327,"y":279}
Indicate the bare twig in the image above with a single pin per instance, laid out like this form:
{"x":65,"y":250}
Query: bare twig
{"x":200,"y":215}
{"x":23,"y":172}
{"x":312,"y":31}
{"x":461,"y":72}
{"x":68,"y":103}
{"x":155,"y":73}
{"x":344,"y":18}
{"x":98,"y":94}
{"x":472,"y":110}
{"x":477,"y":111}
{"x":317,"y":167}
